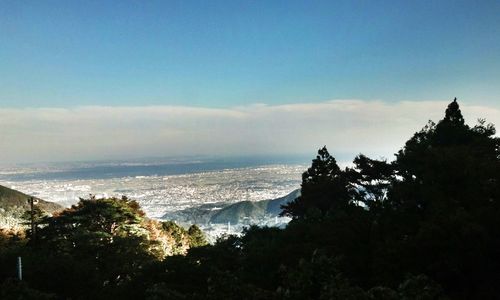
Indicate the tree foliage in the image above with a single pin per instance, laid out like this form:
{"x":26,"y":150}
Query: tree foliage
{"x":97,"y":247}
{"x":324,"y":187}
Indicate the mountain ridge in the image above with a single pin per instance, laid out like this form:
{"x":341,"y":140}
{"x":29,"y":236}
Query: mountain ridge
{"x":245,"y":210}
{"x":10,"y":198}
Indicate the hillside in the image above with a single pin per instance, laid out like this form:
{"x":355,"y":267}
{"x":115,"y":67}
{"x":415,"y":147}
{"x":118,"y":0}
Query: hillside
{"x":252,"y":210}
{"x":239,"y":212}
{"x":10,"y":199}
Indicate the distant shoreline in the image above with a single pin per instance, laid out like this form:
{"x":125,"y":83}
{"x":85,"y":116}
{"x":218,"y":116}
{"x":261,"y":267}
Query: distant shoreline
{"x":113,"y":169}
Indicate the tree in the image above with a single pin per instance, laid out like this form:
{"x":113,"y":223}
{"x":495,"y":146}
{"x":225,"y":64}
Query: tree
{"x":370,"y":179}
{"x":449,"y":161}
{"x":324,"y":187}
{"x":196,"y":237}
{"x":96,"y":244}
{"x":443,"y":205}
{"x":34,"y":218}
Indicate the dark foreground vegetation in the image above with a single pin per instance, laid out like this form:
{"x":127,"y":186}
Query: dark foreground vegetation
{"x":425,"y":226}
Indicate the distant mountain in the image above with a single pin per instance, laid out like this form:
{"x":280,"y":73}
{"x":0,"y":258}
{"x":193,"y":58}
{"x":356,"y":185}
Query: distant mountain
{"x":10,"y":199}
{"x":239,"y":212}
{"x":199,"y":214}
{"x":245,"y":211}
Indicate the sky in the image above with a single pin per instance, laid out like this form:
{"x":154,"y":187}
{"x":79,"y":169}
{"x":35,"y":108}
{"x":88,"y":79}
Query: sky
{"x":119,"y":79}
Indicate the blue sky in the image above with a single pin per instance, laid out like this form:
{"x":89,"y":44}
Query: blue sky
{"x":84,"y":80}
{"x":232,"y":53}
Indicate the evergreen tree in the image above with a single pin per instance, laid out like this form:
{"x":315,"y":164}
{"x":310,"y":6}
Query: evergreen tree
{"x":443,"y":206}
{"x":96,"y":245}
{"x":324,"y":187}
{"x":447,"y":164}
{"x":370,"y":179}
{"x":196,"y":237}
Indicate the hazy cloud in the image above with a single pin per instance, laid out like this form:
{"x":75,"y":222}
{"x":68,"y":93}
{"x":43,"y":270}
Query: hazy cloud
{"x":345,"y":126}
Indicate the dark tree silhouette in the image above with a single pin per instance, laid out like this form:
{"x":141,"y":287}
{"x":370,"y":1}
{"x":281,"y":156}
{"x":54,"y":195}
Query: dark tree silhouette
{"x":453,"y":114}
{"x":448,"y":162}
{"x":324,"y":187}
